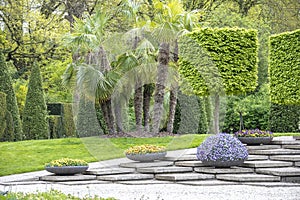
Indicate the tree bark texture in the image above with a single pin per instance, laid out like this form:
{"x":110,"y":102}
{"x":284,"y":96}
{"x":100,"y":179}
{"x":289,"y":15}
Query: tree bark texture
{"x":118,"y":117}
{"x":162,"y":72}
{"x":138,"y":108}
{"x":148,"y":90}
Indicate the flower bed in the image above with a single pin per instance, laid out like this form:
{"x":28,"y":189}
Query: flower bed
{"x":67,"y":166}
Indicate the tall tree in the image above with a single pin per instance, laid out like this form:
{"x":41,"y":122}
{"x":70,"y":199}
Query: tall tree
{"x":12,"y":107}
{"x":35,"y":123}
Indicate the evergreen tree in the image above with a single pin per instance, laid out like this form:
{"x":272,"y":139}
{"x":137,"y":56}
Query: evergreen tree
{"x":11,"y":102}
{"x":35,"y":124}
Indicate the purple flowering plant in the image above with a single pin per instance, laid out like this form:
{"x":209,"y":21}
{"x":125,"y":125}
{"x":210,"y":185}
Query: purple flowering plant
{"x":222,"y":147}
{"x":253,"y":133}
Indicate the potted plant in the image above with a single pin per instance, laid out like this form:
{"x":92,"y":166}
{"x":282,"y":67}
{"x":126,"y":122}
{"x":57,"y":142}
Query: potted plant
{"x":66,"y":166}
{"x":222,"y":150}
{"x":146,"y":153}
{"x":254,"y":136}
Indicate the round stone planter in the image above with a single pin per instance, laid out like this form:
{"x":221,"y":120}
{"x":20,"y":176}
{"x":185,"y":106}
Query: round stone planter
{"x":255,"y":140}
{"x":67,"y":170}
{"x":148,"y":157}
{"x":222,"y":163}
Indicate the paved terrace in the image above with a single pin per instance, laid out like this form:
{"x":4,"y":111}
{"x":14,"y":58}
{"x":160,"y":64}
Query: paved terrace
{"x":271,"y":172}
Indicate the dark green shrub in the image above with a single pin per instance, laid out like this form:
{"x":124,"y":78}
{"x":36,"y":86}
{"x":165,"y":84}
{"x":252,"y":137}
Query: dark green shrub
{"x":284,"y":68}
{"x":68,"y":120}
{"x":2,"y":114}
{"x":11,"y":102}
{"x":56,"y":128}
{"x":35,"y":122}
{"x":284,"y":118}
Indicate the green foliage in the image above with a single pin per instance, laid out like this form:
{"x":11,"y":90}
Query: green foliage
{"x":66,"y":162}
{"x":284,"y":68}
{"x":56,"y":128}
{"x":52,"y":194}
{"x":255,"y":110}
{"x":284,"y":118}
{"x":35,"y":124}
{"x":2,"y":114}
{"x":68,"y":120}
{"x":11,"y":102}
{"x":212,"y":59}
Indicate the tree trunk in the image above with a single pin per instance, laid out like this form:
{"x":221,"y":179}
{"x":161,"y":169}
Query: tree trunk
{"x":111,"y":118}
{"x":173,"y":96}
{"x":241,"y":121}
{"x":216,"y":113}
{"x":118,"y":116}
{"x":162,"y":72}
{"x":138,"y":108}
{"x":148,"y":90}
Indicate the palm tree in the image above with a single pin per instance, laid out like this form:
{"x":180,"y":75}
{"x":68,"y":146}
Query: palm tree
{"x":171,"y":21}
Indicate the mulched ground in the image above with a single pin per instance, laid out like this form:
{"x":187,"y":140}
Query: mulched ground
{"x":137,"y":134}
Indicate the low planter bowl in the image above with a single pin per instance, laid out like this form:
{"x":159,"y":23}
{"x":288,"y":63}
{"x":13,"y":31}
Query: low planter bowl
{"x":255,"y":140}
{"x":67,"y":170}
{"x":148,"y":157}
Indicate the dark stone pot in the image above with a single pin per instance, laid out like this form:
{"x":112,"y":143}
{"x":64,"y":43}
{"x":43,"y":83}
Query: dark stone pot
{"x":148,"y":157}
{"x":255,"y":140}
{"x":67,"y":170}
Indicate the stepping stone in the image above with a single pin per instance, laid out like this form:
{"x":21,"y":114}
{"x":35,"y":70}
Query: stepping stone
{"x":146,"y":164}
{"x":184,"y":177}
{"x":291,"y":146}
{"x":275,"y":152}
{"x":109,"y":171}
{"x":266,"y":163}
{"x":272,"y":184}
{"x":181,"y":158}
{"x":78,"y":177}
{"x":296,"y":137}
{"x":263,"y":147}
{"x":293,"y":179}
{"x":125,"y":177}
{"x":257,"y":157}
{"x":159,"y":170}
{"x":192,"y":151}
{"x":286,"y":157}
{"x":286,"y":142}
{"x":286,"y":171}
{"x":189,"y":164}
{"x":248,"y":177}
{"x":84,"y":182}
{"x":208,"y":183}
{"x":212,"y":170}
{"x":297,"y":164}
{"x":144,"y":182}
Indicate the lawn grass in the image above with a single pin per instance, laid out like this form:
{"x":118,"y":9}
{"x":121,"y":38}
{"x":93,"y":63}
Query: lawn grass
{"x":31,"y":155}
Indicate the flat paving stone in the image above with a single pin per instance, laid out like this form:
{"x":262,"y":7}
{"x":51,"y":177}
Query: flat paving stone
{"x":125,"y":177}
{"x":94,"y":182}
{"x":266,"y":163}
{"x":79,"y":177}
{"x":271,"y":184}
{"x":109,"y":171}
{"x":180,"y":158}
{"x":192,"y":151}
{"x":275,"y":152}
{"x":286,"y":142}
{"x":183,"y":176}
{"x":208,"y":183}
{"x":286,"y":171}
{"x":247,"y":177}
{"x":146,"y":164}
{"x":286,"y":157}
{"x":212,"y":170}
{"x":291,"y":146}
{"x":257,"y":157}
{"x":144,"y":182}
{"x":159,"y":170}
{"x":195,"y":163}
{"x":297,"y":164}
{"x":293,"y":179}
{"x":263,"y":147}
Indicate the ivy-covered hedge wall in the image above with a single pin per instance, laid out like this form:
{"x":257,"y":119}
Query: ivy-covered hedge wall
{"x":226,"y":56}
{"x":284,"y":68}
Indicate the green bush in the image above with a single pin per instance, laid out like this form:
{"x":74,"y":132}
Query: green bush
{"x":2,"y":114}
{"x":284,"y":118}
{"x":68,"y":120}
{"x":215,"y":59}
{"x":11,"y":102}
{"x":35,"y":122}
{"x":284,"y":68}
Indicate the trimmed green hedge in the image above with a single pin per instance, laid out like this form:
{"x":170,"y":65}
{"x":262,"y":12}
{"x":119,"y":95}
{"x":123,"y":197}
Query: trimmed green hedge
{"x":285,"y":118}
{"x":35,"y":122}
{"x":284,"y":68}
{"x":2,"y":114}
{"x":218,"y":59}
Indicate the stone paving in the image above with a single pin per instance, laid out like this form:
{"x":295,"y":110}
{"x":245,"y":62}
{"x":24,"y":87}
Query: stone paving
{"x":271,"y":166}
